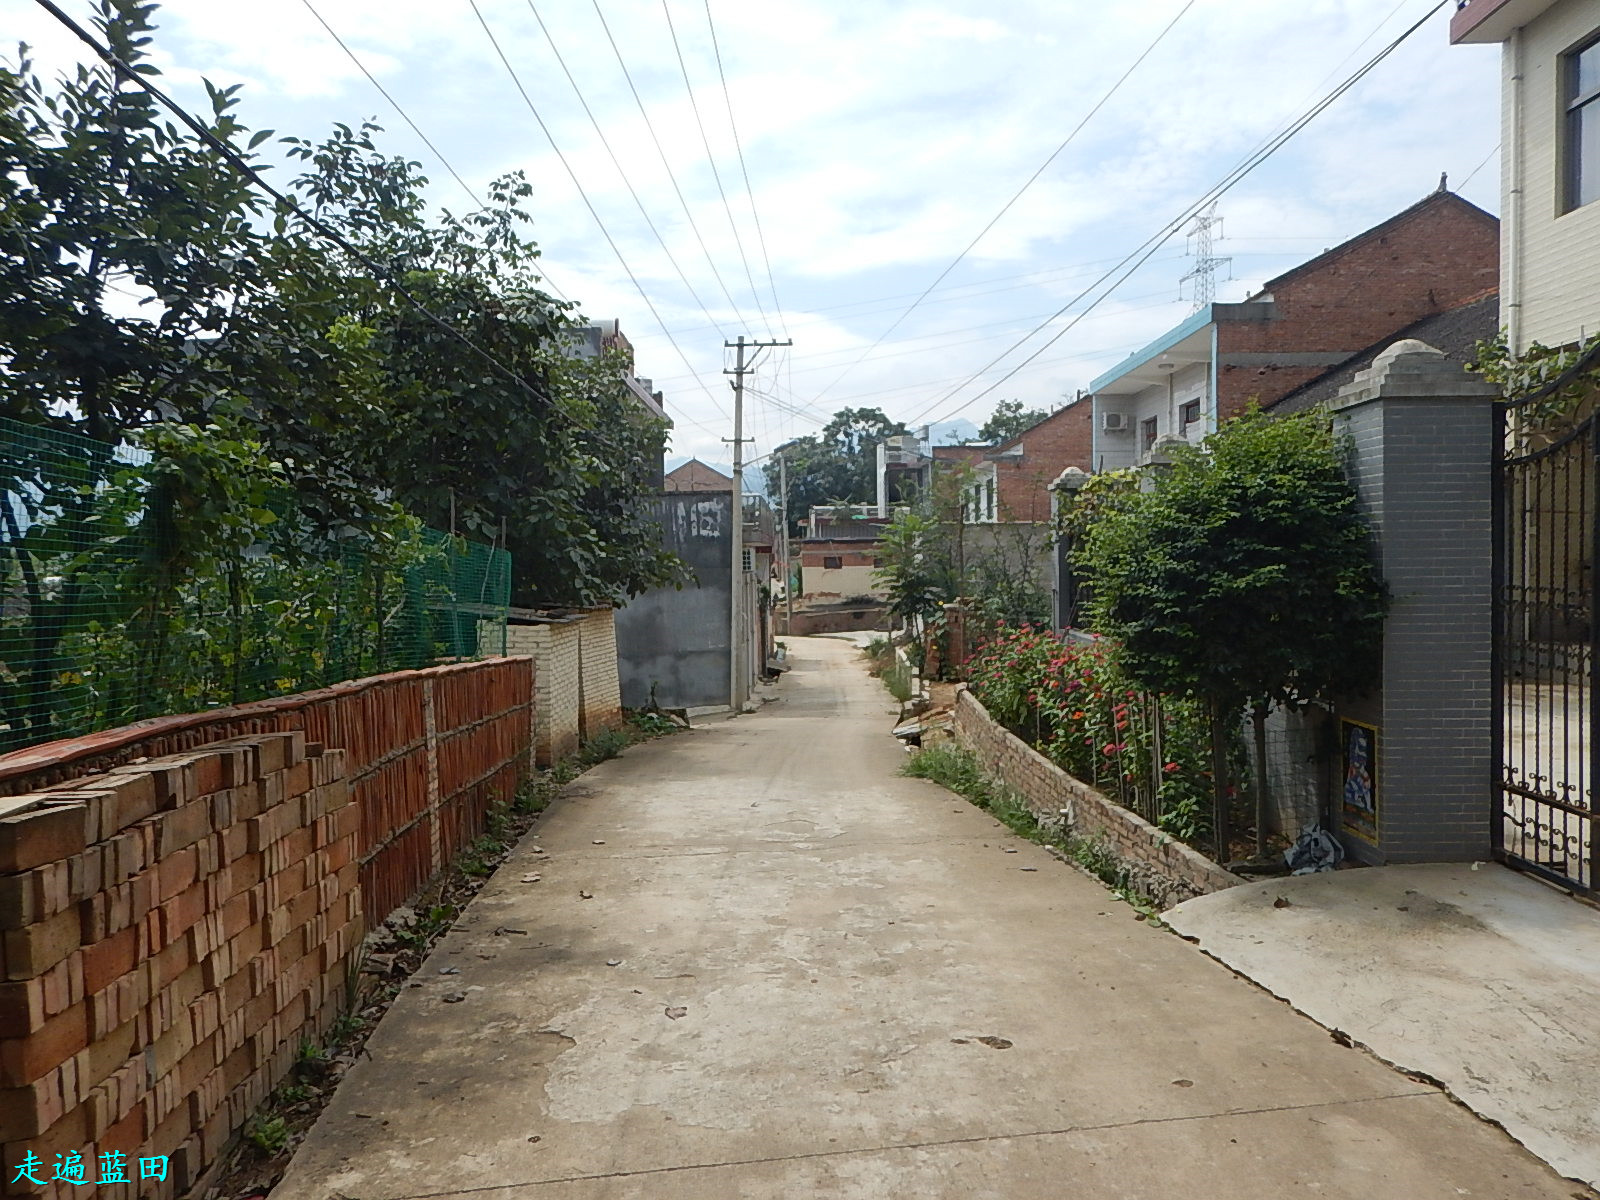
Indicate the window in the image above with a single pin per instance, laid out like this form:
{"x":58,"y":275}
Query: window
{"x":1582,"y":96}
{"x":832,"y":562}
{"x":1190,"y":413}
{"x":1147,"y":434}
{"x":982,"y":498}
{"x":749,"y":560}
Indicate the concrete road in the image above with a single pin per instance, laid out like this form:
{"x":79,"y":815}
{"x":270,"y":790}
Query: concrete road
{"x":839,"y":941}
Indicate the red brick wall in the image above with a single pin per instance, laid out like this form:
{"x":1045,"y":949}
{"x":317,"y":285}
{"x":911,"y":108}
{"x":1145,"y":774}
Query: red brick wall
{"x":171,"y":931}
{"x":1440,"y":254}
{"x":853,"y":553}
{"x":1158,"y":865}
{"x":179,"y":899}
{"x":1064,"y":440}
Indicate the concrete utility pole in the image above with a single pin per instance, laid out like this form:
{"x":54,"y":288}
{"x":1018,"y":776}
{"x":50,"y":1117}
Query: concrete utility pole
{"x":738,"y":643}
{"x":783,"y":532}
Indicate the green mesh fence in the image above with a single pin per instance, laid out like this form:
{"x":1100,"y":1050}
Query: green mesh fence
{"x":94,"y":633}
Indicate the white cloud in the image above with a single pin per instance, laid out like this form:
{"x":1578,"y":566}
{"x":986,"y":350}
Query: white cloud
{"x":879,"y":139}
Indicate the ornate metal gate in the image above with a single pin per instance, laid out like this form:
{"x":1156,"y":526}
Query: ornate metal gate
{"x":1547,"y":541}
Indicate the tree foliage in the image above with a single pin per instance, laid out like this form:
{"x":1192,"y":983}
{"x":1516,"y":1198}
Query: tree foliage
{"x":836,"y":466}
{"x":144,"y":282}
{"x":1009,"y":419}
{"x":1245,"y":574}
{"x":931,"y":555}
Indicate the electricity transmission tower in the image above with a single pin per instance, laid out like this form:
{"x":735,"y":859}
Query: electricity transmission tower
{"x":1204,"y":271}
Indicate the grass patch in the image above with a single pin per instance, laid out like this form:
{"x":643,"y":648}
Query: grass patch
{"x":959,"y":771}
{"x":883,"y":662}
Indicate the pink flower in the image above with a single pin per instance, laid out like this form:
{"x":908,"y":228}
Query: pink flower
{"x":1169,"y":768}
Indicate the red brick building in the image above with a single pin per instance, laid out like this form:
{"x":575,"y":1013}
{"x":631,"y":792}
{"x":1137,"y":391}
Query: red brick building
{"x":696,"y":476}
{"x":1013,"y":477}
{"x":1434,"y":256}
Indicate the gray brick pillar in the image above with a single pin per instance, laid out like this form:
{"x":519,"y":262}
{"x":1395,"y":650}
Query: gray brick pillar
{"x":1423,"y":432}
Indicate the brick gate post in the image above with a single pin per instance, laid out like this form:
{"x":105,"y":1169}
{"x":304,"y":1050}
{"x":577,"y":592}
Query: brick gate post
{"x":1423,"y":434}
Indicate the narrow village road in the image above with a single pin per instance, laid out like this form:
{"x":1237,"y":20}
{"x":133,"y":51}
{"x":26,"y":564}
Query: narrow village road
{"x":840,"y":939}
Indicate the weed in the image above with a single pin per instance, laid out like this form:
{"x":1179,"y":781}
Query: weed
{"x":481,"y":857}
{"x":960,"y":772}
{"x":293,"y":1093}
{"x":606,"y":744}
{"x":652,"y":724}
{"x":346,"y":1027}
{"x":268,"y":1134}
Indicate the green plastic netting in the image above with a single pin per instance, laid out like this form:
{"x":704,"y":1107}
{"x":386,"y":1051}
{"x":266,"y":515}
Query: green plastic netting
{"x":95,"y":633}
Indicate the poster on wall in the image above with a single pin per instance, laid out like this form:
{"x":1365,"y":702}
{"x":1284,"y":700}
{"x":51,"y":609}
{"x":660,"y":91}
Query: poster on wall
{"x":1359,"y":799}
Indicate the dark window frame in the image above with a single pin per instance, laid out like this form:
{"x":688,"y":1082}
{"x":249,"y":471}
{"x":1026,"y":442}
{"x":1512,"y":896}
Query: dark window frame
{"x":1149,"y":430}
{"x":1190,"y":406}
{"x":833,"y":562}
{"x":1577,"y":108}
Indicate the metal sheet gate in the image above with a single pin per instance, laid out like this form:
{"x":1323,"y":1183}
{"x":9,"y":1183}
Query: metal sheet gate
{"x":1547,"y":540}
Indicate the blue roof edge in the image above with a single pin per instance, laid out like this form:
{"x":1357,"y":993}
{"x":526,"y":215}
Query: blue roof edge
{"x":1165,"y":342}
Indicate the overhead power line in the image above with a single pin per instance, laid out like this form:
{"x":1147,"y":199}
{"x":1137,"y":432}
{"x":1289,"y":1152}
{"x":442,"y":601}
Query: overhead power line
{"x":744,"y":170}
{"x":238,"y":163}
{"x":1146,"y":249}
{"x":516,"y":79}
{"x":1017,"y":195}
{"x":415,"y":128}
{"x":1473,"y":174}
{"x":667,"y":166}
{"x":711,"y":160}
{"x":621,"y":172}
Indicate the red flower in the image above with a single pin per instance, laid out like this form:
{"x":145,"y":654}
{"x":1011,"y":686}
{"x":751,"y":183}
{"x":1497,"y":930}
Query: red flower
{"x":1170,"y":768}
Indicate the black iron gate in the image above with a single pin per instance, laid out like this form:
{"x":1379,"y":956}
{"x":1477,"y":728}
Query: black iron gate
{"x":1547,"y":541}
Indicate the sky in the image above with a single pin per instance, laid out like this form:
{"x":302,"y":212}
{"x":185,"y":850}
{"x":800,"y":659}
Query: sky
{"x":805,"y":171}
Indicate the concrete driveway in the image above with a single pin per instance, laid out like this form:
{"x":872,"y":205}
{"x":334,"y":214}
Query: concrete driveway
{"x":840,"y":942}
{"x":1474,"y":975}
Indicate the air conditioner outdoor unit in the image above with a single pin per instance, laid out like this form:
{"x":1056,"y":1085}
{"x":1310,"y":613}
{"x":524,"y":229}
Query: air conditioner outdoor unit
{"x":1114,"y":422}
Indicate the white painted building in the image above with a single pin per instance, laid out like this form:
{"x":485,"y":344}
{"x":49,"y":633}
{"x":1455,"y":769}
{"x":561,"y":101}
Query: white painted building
{"x":1166,"y":389}
{"x":1550,"y":163}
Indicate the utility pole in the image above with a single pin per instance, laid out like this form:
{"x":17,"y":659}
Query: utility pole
{"x":738,"y":643}
{"x":788,"y":570}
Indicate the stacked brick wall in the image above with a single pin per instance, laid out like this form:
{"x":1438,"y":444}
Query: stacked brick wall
{"x":602,"y":686}
{"x":428,"y":753}
{"x":1158,"y":865}
{"x":169,"y":932}
{"x":578,"y":687}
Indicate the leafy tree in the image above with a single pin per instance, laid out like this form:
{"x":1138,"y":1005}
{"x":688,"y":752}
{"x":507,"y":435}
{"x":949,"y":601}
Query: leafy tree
{"x":554,"y":454}
{"x":933,"y":555}
{"x":1009,"y":419}
{"x":249,"y":319}
{"x":836,"y":466}
{"x":1244,"y":576}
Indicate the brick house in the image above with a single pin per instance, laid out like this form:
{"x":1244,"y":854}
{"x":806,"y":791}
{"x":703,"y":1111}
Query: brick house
{"x":1013,"y":476}
{"x":839,"y":554}
{"x":696,"y":476}
{"x":1455,"y":332}
{"x":1434,"y":256}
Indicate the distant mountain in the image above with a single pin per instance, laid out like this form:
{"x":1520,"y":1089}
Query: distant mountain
{"x":953,"y":433}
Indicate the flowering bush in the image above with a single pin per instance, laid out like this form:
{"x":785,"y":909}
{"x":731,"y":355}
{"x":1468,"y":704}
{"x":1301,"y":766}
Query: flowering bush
{"x":1073,"y":702}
